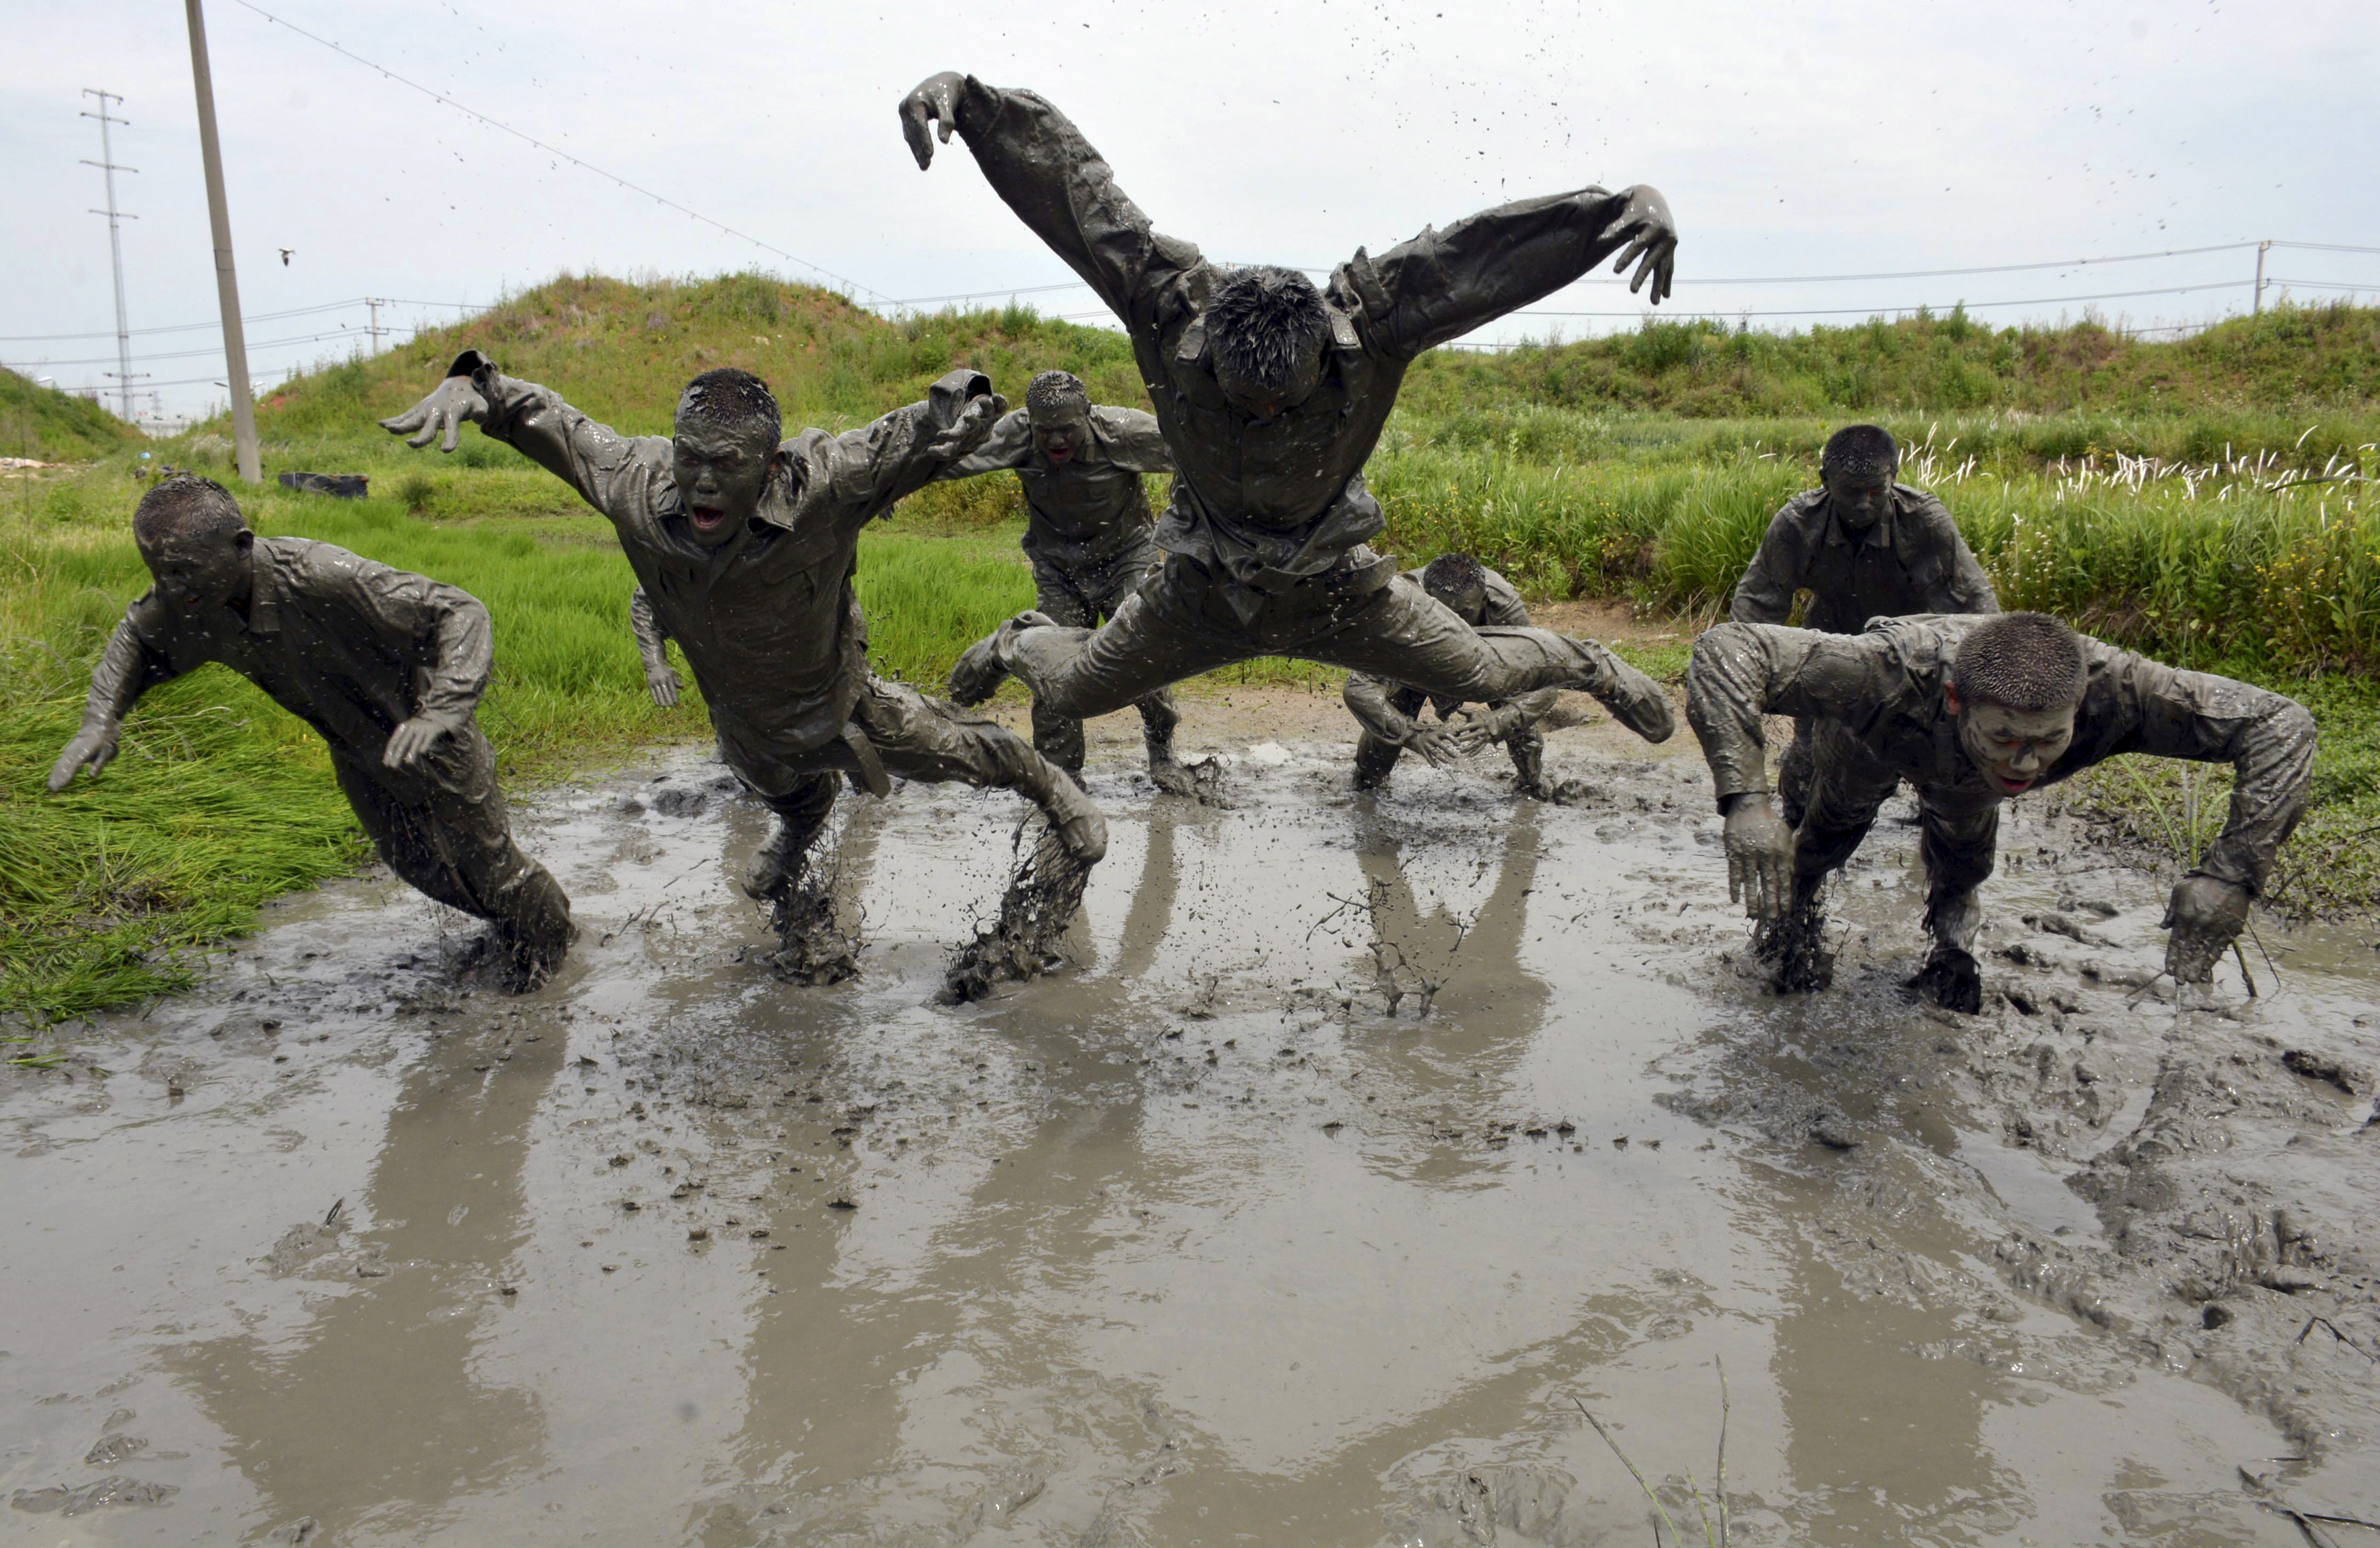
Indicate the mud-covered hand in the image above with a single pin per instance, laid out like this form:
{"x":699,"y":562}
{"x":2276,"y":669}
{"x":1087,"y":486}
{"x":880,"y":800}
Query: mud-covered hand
{"x":408,"y":741}
{"x":1652,"y":237}
{"x":1759,"y":857}
{"x":665,"y":682}
{"x":1477,"y":726}
{"x":2205,"y":915}
{"x":968,"y":430}
{"x":92,"y":747}
{"x":443,"y":413}
{"x":935,"y":100}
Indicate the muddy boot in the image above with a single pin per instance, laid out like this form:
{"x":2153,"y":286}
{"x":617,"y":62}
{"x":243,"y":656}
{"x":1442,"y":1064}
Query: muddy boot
{"x":1376,"y":759}
{"x":984,"y":665}
{"x":1634,"y":699}
{"x":1794,"y":945}
{"x":813,"y":947}
{"x":1022,"y":943}
{"x":1951,"y":979}
{"x":1528,"y":751}
{"x":1076,"y":824}
{"x":1158,"y":719}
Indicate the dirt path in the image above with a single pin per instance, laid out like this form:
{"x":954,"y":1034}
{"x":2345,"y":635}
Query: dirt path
{"x":1367,"y":1138}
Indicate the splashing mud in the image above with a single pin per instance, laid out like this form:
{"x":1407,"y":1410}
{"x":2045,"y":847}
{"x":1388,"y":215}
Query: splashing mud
{"x":1022,"y":942}
{"x":1220,"y":1233}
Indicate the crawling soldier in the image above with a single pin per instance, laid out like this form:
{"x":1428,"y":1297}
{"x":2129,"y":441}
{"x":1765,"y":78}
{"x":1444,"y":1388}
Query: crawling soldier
{"x":1271,"y":393}
{"x":1389,"y":712}
{"x":1087,"y":533}
{"x":1864,"y":546}
{"x":744,"y":550}
{"x":387,"y":666}
{"x":1971,"y":712}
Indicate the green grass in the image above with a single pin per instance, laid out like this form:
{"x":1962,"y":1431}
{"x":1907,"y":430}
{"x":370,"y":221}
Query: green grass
{"x":50,"y":426}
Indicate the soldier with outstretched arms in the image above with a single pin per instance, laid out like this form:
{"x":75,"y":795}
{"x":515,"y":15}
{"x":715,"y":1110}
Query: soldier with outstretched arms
{"x":1973,"y":711}
{"x":388,"y":667}
{"x":1087,"y":532}
{"x":744,"y":547}
{"x":1390,"y":712}
{"x":1270,"y":394}
{"x":1864,"y":546}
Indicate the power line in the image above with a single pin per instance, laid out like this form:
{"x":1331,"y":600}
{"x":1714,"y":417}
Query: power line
{"x":1927,"y":305}
{"x":557,"y":150}
{"x":194,"y":353}
{"x":212,"y":323}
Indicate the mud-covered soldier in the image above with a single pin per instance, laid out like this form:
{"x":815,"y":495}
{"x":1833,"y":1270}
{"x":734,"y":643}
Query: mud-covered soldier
{"x":388,"y":667}
{"x":1864,"y":545}
{"x":744,"y":547}
{"x":1270,"y":394}
{"x":1973,"y":711}
{"x":1390,"y":712}
{"x":1087,"y":531}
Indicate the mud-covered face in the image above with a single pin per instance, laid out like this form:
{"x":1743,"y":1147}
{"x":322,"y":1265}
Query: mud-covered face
{"x":1471,"y":606}
{"x":1063,"y":434}
{"x":721,"y":470}
{"x":199,"y":572}
{"x":1859,"y":500}
{"x":2013,"y":747}
{"x":1261,"y":401}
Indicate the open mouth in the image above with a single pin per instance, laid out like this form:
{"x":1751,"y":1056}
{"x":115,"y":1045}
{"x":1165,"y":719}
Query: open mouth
{"x":706,"y":518}
{"x":2008,"y":786}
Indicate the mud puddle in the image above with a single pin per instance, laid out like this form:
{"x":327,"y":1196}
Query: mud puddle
{"x":1366,"y":1141}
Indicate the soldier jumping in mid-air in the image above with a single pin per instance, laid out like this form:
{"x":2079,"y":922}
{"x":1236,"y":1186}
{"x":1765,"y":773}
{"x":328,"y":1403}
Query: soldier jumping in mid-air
{"x":387,"y":666}
{"x":1087,"y":533}
{"x":1864,"y":546}
{"x":744,"y":550}
{"x":1272,"y":394}
{"x":1390,"y":712}
{"x":1972,"y":711}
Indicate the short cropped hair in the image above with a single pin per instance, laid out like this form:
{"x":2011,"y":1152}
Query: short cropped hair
{"x":2028,"y":662}
{"x":1453,"y":574}
{"x":732,"y":400}
{"x":1859,"y":452}
{"x":1055,"y":395}
{"x":185,"y":506}
{"x":1265,"y":323}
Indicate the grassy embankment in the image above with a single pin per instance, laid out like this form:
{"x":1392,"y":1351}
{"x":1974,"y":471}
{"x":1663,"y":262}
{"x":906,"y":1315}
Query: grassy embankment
{"x":46,"y":425}
{"x":1642,"y":467}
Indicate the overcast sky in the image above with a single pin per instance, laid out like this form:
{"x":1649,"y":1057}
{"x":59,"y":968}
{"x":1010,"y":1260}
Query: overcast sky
{"x":1791,"y":139}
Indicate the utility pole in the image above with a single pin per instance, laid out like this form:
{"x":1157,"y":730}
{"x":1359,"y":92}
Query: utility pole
{"x":106,"y":163}
{"x":243,"y":404}
{"x":2262,"y":248}
{"x":375,"y":303}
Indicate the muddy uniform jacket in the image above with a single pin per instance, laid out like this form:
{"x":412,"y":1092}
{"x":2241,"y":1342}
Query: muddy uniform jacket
{"x":1913,"y":561}
{"x":352,"y":647}
{"x":768,"y":622}
{"x":1369,"y":696}
{"x":1886,"y":687}
{"x":1265,"y":505}
{"x":1086,"y":512}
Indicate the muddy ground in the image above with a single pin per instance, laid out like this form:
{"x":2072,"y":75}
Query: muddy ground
{"x":1365,"y":1142}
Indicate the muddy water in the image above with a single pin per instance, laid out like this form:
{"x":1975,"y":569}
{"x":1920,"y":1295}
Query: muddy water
{"x":1366,"y":1141}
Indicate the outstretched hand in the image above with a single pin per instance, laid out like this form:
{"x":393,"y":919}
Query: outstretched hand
{"x":408,"y":741}
{"x":1440,"y":744}
{"x":1475,"y":726}
{"x":972,"y":425}
{"x":665,"y":682}
{"x":1759,"y":858}
{"x":2205,"y":914}
{"x":1652,"y":239}
{"x":93,"y":749}
{"x":935,"y":100}
{"x":441,"y":414}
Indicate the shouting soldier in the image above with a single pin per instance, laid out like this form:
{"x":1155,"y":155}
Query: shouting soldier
{"x":1087,"y":533}
{"x":744,"y":550}
{"x":1390,"y":712}
{"x":387,"y":666}
{"x":1864,"y":546}
{"x":1972,"y":711}
{"x":1271,"y":393}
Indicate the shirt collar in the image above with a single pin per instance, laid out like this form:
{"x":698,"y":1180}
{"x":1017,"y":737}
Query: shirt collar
{"x":1886,"y":532}
{"x":265,"y":591}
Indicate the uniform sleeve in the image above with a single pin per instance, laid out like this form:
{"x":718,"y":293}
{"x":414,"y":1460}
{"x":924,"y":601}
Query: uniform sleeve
{"x":1009,"y":446}
{"x":1741,"y":672}
{"x":1132,"y":441}
{"x":652,"y":638}
{"x":128,"y":668}
{"x":1765,"y":595}
{"x":1366,"y":699}
{"x":446,"y":624}
{"x":616,"y":474}
{"x":2267,"y":739}
{"x":869,"y":470}
{"x":1956,"y":579}
{"x":1443,"y":284}
{"x":1043,"y":169}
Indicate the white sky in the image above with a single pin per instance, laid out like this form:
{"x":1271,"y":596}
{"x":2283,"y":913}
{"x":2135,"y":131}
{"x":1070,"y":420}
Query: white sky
{"x":1790,"y":138}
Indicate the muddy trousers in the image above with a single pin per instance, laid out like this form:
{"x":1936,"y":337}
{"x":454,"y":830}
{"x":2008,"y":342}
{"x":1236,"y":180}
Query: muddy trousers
{"x":443,"y":828}
{"x":915,"y":738}
{"x":1957,"y":830}
{"x":1183,"y":621}
{"x":1081,"y":597}
{"x":1376,"y":758}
